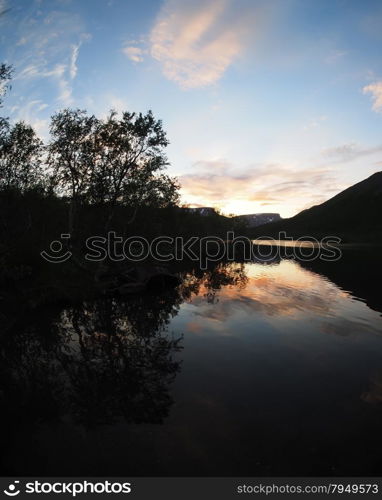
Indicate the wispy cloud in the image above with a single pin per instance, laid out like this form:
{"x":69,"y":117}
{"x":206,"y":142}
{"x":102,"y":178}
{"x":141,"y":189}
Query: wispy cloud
{"x":73,"y":60}
{"x":110,"y":102}
{"x":315,"y":122}
{"x":375,"y":89}
{"x":219,"y":183}
{"x":350,"y":152}
{"x":49,"y":47}
{"x":135,"y":54}
{"x":334,"y":56}
{"x":30,"y":113}
{"x":196,"y":42}
{"x":38,"y":71}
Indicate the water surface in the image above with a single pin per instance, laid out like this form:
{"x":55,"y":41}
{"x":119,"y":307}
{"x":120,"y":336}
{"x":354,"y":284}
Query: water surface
{"x":246,"y":369}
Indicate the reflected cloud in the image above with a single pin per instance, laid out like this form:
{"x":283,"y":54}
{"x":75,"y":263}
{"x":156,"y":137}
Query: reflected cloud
{"x":272,"y":294}
{"x":284,"y":290}
{"x":374,"y":394}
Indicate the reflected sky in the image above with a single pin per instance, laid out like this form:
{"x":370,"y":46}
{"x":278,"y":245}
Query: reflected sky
{"x":281,"y":375}
{"x":244,"y":370}
{"x":282,"y":297}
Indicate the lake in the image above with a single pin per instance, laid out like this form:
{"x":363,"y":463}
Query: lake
{"x":246,"y":369}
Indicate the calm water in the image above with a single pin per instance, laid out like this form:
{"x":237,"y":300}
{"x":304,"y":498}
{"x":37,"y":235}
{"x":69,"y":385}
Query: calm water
{"x":246,"y":369}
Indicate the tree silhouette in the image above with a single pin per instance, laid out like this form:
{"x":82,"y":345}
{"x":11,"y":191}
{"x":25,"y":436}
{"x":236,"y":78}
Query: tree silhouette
{"x":5,"y":76}
{"x":110,"y":162}
{"x":20,"y":157}
{"x":20,"y":148}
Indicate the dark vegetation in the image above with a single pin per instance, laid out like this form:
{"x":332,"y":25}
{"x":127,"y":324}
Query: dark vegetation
{"x":74,"y":347}
{"x":92,"y":177}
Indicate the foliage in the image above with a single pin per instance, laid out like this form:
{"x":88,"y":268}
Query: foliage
{"x":5,"y":76}
{"x":108,"y":161}
{"x":20,"y":157}
{"x":94,"y":175}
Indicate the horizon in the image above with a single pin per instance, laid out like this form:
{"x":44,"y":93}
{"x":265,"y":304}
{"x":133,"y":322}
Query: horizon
{"x":270,"y":108}
{"x":190,"y":199}
{"x":307,"y":208}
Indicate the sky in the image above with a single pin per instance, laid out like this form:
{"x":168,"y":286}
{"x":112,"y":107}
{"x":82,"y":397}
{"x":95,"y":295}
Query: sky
{"x":269,"y":105}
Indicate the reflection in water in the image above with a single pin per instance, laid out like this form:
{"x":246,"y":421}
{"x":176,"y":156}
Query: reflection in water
{"x":97,"y":361}
{"x":358,"y":271}
{"x":209,"y":283}
{"x":374,"y":394}
{"x":244,"y":369}
{"x":277,"y":293}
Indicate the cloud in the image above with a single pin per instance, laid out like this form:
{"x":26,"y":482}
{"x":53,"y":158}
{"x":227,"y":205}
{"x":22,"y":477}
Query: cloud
{"x":38,"y":71}
{"x":65,"y":92}
{"x":73,"y":60}
{"x":315,"y":122}
{"x":375,"y":89}
{"x":334,"y":56}
{"x":29,"y":112}
{"x":21,"y":42}
{"x":217,"y":183}
{"x":114,"y":103}
{"x":3,"y":9}
{"x":135,"y":54}
{"x":349,"y":152}
{"x":48,"y":47}
{"x":196,"y":42}
{"x":58,"y":72}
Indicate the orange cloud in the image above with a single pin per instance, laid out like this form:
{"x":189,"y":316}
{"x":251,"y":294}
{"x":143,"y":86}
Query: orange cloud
{"x":196,"y":42}
{"x":375,"y":89}
{"x":215,"y":183}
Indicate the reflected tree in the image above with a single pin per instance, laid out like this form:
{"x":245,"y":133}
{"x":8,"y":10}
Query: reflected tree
{"x":93,"y":363}
{"x":123,"y":361}
{"x":100,"y":361}
{"x":209,"y":282}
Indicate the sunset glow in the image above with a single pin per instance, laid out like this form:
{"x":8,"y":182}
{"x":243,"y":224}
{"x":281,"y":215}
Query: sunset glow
{"x":270,"y":107}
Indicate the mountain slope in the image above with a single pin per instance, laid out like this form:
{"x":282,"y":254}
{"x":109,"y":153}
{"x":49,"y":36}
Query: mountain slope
{"x":254,"y":220}
{"x":355,"y":215}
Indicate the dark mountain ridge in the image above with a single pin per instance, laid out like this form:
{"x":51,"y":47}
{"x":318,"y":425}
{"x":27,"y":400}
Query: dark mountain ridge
{"x":254,"y":220}
{"x":354,"y":215}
